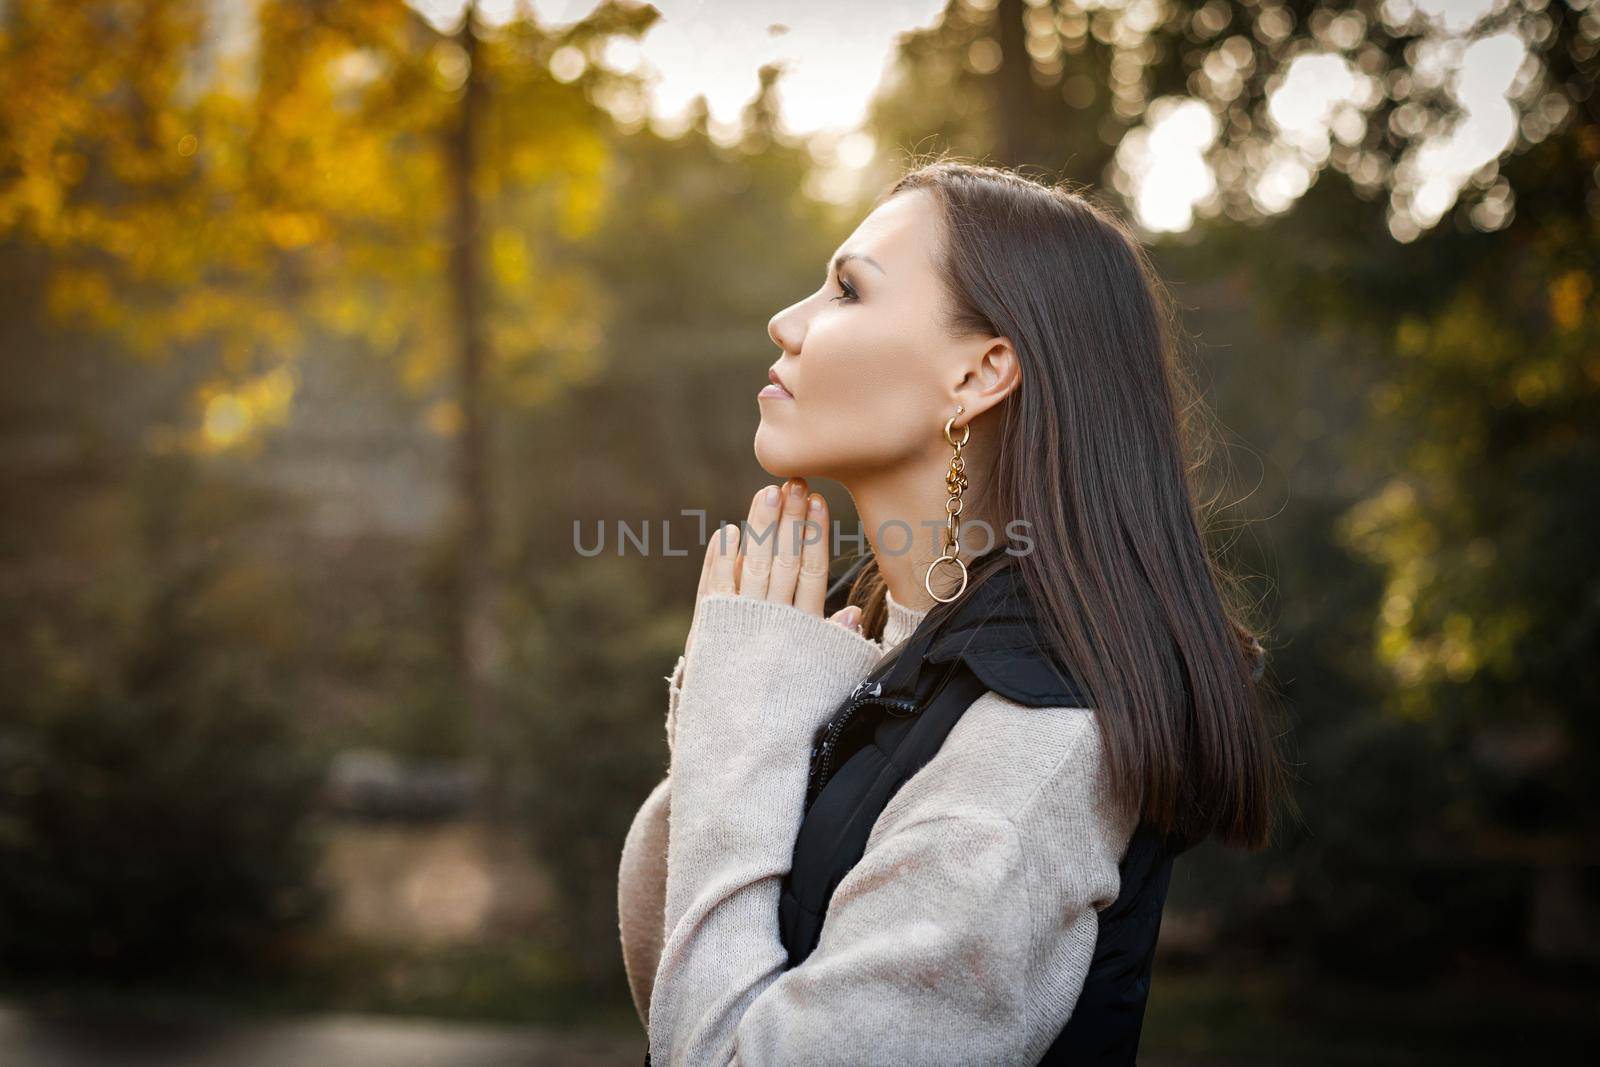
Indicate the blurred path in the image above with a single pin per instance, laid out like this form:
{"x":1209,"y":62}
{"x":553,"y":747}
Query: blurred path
{"x":88,"y":1038}
{"x":34,"y":1039}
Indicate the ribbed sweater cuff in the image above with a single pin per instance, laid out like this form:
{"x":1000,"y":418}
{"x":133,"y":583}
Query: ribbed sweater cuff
{"x":770,"y":665}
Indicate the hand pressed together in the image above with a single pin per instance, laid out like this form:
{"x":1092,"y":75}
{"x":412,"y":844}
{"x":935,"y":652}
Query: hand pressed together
{"x":783,"y":557}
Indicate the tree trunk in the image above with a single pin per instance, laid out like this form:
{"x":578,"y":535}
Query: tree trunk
{"x":480,"y":641}
{"x":1016,"y":95}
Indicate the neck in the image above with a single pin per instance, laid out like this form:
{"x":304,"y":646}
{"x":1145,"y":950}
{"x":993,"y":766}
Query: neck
{"x":903,"y":510}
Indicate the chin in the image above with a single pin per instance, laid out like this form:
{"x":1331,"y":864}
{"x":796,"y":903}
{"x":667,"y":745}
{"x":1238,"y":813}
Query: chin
{"x":774,"y":454}
{"x":770,"y":453}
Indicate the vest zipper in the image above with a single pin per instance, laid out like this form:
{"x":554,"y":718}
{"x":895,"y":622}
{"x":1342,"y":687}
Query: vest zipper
{"x":822,"y":751}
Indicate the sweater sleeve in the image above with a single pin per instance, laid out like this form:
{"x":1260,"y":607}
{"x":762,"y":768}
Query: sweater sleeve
{"x":642,"y":873}
{"x":641,"y":892}
{"x":962,"y":936}
{"x":762,"y":677}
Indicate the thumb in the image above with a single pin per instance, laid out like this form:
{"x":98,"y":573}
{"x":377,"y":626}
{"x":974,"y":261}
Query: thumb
{"x":849,"y":618}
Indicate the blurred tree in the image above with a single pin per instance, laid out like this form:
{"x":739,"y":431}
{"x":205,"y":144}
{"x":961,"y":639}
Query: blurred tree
{"x":1473,"y":348}
{"x":353,"y":174}
{"x":1076,"y":90}
{"x":1487,"y":427}
{"x":154,"y":797}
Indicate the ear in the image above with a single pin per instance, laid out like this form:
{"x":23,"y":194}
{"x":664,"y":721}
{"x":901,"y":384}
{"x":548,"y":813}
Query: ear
{"x":993,"y":373}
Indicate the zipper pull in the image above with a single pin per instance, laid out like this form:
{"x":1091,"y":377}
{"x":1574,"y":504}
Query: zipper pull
{"x":866,"y":687}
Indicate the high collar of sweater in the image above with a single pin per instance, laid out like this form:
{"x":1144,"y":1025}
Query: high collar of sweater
{"x":902,"y":621}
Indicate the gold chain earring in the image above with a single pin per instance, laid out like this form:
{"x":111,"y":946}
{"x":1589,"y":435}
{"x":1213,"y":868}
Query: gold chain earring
{"x":955,"y":482}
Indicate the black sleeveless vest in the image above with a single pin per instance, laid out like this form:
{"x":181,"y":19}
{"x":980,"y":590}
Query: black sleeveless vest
{"x":895,"y":721}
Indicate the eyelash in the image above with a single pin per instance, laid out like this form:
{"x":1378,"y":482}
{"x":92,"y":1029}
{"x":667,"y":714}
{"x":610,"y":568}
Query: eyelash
{"x":849,"y":295}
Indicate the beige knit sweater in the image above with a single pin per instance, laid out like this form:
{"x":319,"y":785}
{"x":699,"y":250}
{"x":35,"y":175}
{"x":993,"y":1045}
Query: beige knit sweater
{"x":962,"y":936}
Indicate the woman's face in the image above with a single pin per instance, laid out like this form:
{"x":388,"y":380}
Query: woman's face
{"x":864,"y":358}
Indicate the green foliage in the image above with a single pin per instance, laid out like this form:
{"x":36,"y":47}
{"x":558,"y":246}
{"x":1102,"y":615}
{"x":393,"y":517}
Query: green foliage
{"x":153,"y":797}
{"x":148,"y":831}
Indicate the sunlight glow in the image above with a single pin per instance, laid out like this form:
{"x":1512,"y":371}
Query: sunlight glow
{"x":1431,"y":176}
{"x":829,"y":76}
{"x":834,"y":53}
{"x":1165,"y":162}
{"x":1168,"y":167}
{"x":1321,"y":105}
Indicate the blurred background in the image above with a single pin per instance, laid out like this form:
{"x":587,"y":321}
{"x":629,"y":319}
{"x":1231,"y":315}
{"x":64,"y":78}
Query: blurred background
{"x":340,"y":340}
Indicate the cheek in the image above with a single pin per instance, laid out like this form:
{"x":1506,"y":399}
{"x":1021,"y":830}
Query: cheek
{"x":862,"y":362}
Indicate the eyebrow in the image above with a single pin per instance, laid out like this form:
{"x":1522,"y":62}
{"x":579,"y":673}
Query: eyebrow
{"x":844,"y":257}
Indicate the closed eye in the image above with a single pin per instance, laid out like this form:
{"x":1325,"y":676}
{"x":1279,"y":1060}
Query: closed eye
{"x":848,"y":295}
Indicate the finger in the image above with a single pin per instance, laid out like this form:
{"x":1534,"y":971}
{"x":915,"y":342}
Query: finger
{"x":705,"y":568}
{"x":811,"y":589}
{"x":849,"y":618}
{"x":763,"y":529}
{"x":786,"y":549}
{"x":725,"y":546}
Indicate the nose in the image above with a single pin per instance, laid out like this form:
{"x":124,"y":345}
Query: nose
{"x":787,"y":328}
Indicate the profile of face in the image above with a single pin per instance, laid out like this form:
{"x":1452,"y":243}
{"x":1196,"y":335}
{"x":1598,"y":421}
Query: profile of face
{"x":869,"y":369}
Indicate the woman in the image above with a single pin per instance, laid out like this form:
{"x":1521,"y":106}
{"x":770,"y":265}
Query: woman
{"x":976,"y":329}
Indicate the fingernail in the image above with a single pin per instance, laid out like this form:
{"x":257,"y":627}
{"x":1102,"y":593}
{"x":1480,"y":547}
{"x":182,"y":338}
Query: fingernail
{"x":772,"y":495}
{"x":816,"y":505}
{"x":855,"y":619}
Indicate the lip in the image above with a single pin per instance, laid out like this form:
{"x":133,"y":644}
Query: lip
{"x":777,"y":388}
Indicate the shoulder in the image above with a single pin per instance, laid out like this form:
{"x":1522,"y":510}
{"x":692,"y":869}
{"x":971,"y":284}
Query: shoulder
{"x":1002,"y":755}
{"x":1043,"y":770}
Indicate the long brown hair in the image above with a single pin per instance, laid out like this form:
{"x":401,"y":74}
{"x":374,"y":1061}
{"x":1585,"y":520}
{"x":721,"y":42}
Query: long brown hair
{"x":1100,"y":452}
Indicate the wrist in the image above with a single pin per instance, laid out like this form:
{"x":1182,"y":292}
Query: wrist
{"x":773,"y":658}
